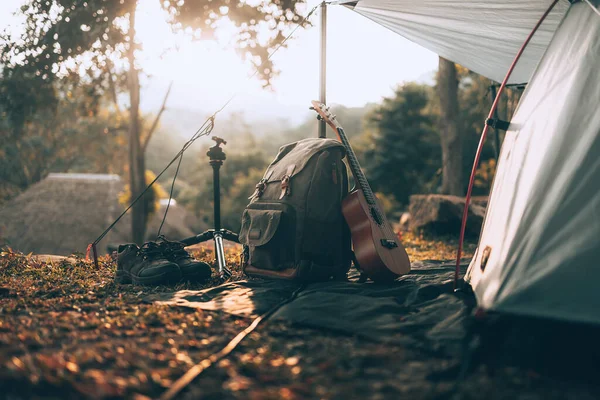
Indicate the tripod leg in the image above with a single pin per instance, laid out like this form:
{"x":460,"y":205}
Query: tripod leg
{"x":203,"y":237}
{"x":224,"y":272}
{"x":231,"y":236}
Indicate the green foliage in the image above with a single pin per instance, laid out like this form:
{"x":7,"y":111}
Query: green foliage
{"x":61,"y":39}
{"x":236,"y":197}
{"x":239,"y":174}
{"x":352,"y":118}
{"x":21,"y":94}
{"x":77,"y":135}
{"x":400,"y":151}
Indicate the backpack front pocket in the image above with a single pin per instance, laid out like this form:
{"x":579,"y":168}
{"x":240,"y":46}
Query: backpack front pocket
{"x":266,"y":232}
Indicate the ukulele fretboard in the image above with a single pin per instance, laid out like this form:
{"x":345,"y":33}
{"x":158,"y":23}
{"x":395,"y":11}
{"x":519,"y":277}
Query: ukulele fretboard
{"x":359,"y":176}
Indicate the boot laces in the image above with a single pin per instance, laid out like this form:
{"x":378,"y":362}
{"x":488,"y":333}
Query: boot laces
{"x":150,"y":250}
{"x":175,"y":249}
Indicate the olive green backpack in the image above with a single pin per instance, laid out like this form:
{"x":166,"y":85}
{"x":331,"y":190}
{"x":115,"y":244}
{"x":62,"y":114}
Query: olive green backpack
{"x":293,"y":227}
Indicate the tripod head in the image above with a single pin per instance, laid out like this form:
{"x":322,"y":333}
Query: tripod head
{"x":219,"y":140}
{"x":216,"y":153}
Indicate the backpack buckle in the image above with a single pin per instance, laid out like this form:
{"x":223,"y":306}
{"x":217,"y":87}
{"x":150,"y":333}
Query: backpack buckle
{"x":285,"y":182}
{"x":285,"y":187}
{"x":261,"y":186}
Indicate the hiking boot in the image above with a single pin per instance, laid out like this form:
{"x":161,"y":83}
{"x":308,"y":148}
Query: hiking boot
{"x":191,"y":270}
{"x":145,"y":266}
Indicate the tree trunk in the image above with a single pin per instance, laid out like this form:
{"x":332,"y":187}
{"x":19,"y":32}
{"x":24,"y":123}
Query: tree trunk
{"x":137,"y":168}
{"x":451,"y":140}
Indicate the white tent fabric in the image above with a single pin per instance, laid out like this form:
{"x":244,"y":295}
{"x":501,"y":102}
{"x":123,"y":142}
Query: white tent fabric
{"x":542,"y":228}
{"x":482,"y":35}
{"x":539,"y":252}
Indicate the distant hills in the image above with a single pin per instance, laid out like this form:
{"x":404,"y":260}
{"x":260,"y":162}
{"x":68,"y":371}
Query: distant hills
{"x":179,"y":124}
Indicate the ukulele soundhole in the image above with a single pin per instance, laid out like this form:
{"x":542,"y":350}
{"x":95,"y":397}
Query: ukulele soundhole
{"x":376,"y":216}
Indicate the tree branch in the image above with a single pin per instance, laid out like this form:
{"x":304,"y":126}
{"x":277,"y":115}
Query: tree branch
{"x":157,"y":119}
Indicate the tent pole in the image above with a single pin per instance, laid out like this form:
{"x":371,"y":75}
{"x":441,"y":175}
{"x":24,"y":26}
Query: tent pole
{"x":323,"y":60}
{"x":463,"y":225}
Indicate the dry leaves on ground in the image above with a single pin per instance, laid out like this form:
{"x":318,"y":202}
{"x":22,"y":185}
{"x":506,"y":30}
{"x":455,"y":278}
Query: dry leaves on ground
{"x":68,"y":330}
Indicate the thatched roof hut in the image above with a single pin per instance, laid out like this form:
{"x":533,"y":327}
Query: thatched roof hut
{"x":64,"y":212}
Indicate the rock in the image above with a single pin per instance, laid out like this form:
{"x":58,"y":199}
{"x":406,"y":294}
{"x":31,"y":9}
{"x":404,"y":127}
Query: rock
{"x":54,"y":259}
{"x":404,"y":224}
{"x":442,"y":214}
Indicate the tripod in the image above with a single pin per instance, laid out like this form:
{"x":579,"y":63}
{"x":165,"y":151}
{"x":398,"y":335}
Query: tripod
{"x":216,"y":157}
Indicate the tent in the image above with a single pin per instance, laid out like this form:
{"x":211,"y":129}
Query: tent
{"x":539,"y":250}
{"x":482,"y":35}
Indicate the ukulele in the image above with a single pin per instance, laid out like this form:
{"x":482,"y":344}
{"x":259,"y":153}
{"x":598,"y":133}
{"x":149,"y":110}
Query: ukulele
{"x":379,"y":253}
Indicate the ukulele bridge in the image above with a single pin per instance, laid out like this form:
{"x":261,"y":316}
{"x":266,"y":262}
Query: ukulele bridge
{"x":389,"y":244}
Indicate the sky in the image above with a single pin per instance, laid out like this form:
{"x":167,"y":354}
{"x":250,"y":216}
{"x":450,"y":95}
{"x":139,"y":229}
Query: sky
{"x":365,"y":62}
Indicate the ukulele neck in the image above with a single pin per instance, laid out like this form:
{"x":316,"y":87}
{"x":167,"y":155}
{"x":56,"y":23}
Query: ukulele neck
{"x":357,"y":172}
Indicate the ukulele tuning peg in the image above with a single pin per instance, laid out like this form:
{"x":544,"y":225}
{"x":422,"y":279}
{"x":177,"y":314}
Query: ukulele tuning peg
{"x":311,"y":108}
{"x":319,"y":118}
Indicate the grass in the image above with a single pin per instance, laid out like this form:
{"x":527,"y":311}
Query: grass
{"x":68,"y":331}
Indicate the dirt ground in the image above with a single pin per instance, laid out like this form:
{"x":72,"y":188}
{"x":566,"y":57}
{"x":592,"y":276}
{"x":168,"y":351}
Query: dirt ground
{"x":68,"y":331}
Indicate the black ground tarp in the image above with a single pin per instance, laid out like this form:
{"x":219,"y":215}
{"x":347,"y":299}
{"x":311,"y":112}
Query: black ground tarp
{"x":500,"y":355}
{"x":418,"y":309}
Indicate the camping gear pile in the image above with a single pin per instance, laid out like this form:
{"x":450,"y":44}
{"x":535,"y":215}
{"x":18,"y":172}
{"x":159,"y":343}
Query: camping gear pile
{"x":301,"y":216}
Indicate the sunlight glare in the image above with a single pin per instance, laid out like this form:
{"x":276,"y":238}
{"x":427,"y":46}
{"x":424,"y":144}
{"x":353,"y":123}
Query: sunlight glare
{"x":204,"y":65}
